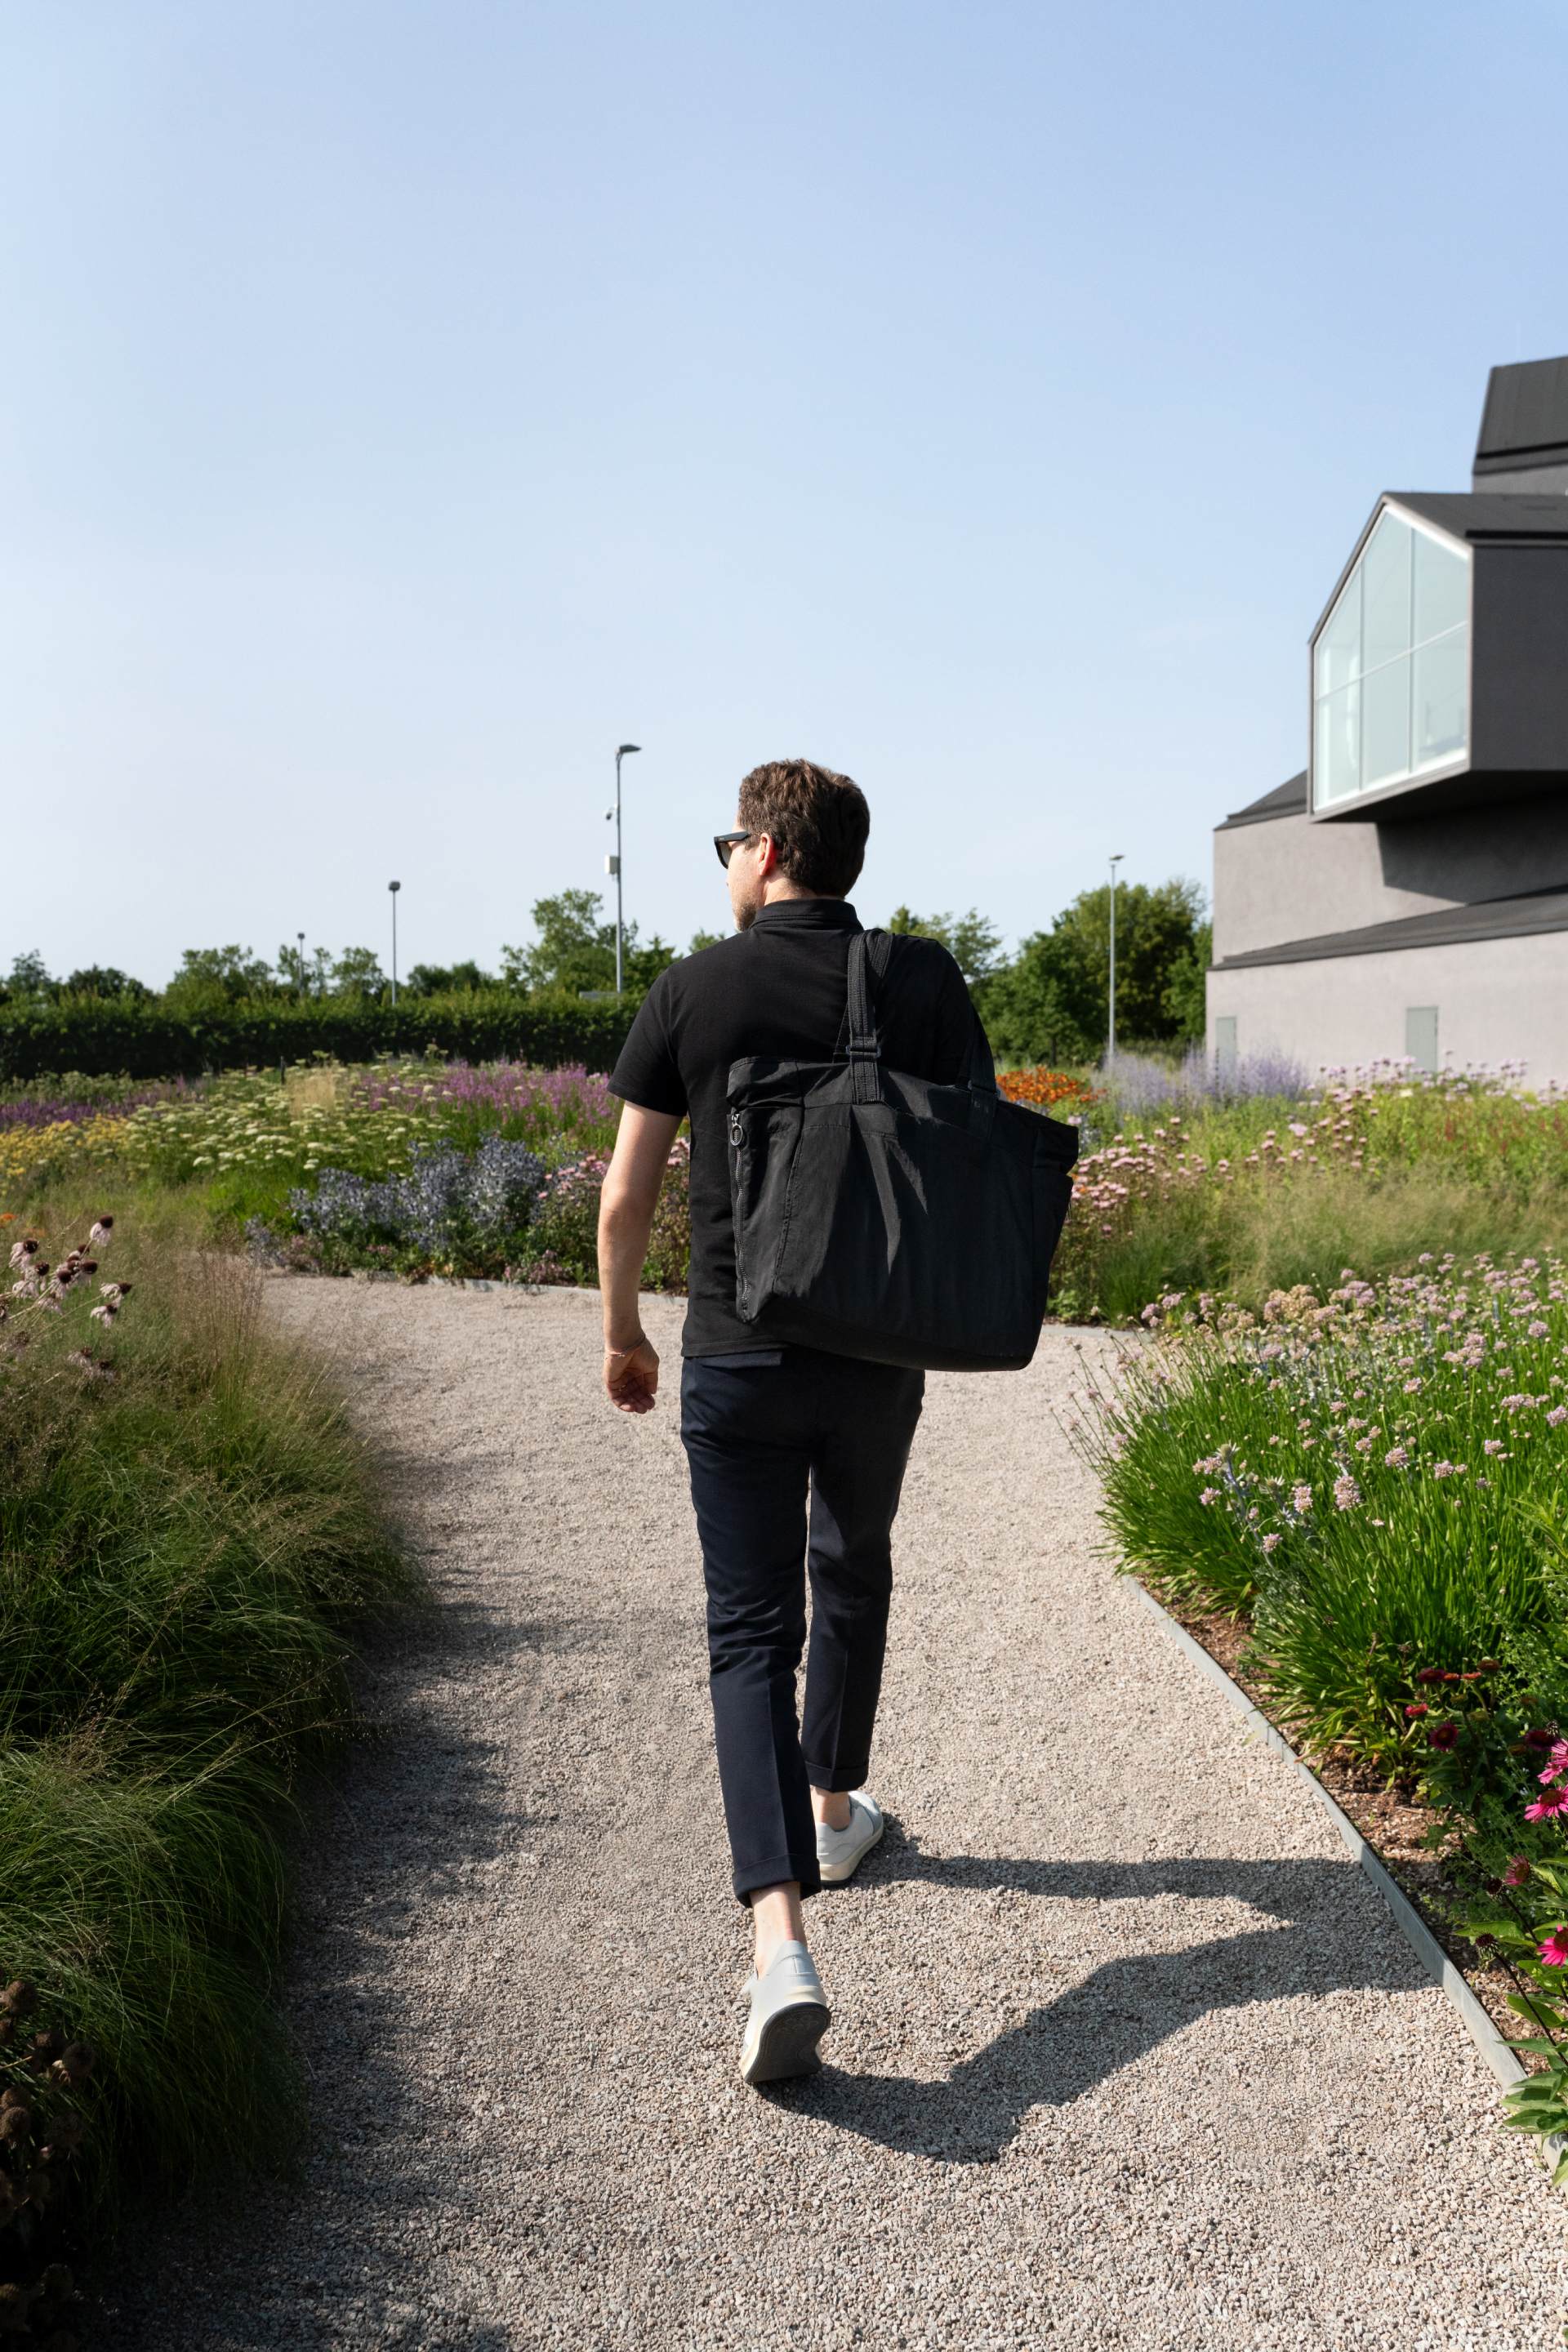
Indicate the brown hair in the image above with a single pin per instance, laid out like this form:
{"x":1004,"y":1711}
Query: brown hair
{"x":817,"y":821}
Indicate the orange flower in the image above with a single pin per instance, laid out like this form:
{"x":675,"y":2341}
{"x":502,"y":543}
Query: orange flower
{"x":1043,"y":1089}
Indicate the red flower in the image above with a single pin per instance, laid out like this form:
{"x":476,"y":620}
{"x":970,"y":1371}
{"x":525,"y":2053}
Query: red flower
{"x":1444,"y":1735}
{"x":1413,"y":1714}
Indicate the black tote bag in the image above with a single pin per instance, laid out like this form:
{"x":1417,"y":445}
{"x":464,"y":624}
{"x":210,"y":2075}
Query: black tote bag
{"x":881,"y":1216}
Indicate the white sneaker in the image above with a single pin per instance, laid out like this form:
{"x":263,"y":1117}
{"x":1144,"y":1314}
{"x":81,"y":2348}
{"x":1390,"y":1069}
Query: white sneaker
{"x":839,"y":1852}
{"x":789,"y":2016}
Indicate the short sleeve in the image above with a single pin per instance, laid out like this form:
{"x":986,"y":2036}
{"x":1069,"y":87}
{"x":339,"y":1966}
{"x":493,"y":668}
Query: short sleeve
{"x":647,"y":1072}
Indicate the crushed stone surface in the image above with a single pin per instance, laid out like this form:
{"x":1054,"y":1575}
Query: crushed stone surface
{"x":1125,"y":2051}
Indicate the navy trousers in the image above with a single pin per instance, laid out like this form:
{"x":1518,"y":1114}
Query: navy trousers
{"x":796,"y":1463}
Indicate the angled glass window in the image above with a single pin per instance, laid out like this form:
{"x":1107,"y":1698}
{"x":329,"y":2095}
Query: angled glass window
{"x":1391,"y":665}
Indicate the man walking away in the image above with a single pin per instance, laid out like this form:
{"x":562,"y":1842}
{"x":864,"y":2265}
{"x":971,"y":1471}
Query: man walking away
{"x":796,"y":1456}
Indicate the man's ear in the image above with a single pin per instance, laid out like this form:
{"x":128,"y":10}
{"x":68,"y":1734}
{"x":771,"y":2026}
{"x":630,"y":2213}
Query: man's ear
{"x":767,"y":857}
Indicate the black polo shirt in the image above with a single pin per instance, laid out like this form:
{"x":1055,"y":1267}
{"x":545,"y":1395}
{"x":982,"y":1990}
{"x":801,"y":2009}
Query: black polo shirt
{"x":780,"y":988}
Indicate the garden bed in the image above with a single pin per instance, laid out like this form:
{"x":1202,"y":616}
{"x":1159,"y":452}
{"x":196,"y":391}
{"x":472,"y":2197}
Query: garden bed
{"x":190,"y":1550}
{"x":1355,"y":1502}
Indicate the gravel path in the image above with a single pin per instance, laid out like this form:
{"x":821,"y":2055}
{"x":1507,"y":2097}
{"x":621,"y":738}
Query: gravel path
{"x":1125,"y":2052}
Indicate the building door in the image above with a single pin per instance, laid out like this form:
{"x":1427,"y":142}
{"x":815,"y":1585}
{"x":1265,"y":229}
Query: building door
{"x":1421,"y":1036}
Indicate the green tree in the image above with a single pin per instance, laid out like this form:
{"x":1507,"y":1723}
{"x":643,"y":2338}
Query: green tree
{"x":106,"y":981}
{"x":1033,"y":1008}
{"x":210,"y":977}
{"x":974,"y":945}
{"x":30,"y":979}
{"x":447,"y":980}
{"x":1050,"y":1003}
{"x":357,"y":972}
{"x":1186,"y":996}
{"x":700,"y":940}
{"x":575,"y":950}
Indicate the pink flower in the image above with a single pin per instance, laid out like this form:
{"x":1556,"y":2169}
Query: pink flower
{"x":1397,"y":1457}
{"x":1494,"y":1445}
{"x":1540,"y":1330}
{"x":1557,"y":1417}
{"x":1209,"y":1495}
{"x":1347,"y":1494}
{"x":1443,"y":1469}
{"x":1272,"y":1543}
{"x":1554,"y":1951}
{"x":1555,"y":1800}
{"x":1301,"y":1499}
{"x":1418,"y":1709}
{"x":1517,"y":1871}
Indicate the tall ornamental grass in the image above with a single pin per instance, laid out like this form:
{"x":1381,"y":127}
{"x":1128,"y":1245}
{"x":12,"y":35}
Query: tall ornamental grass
{"x":1365,"y":1475}
{"x":189,"y":1548}
{"x":1249,"y":1196}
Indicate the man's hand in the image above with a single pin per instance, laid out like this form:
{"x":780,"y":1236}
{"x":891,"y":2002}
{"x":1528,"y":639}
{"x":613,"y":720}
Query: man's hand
{"x":631,"y":1376}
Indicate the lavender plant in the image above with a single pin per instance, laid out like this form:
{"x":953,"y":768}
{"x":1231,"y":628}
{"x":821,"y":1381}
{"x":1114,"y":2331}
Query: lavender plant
{"x":450,"y":1205}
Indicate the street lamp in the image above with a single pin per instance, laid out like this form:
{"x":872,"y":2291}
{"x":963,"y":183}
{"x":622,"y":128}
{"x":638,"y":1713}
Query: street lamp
{"x":300,"y":937}
{"x":614,"y":863}
{"x":395,"y":887}
{"x":1111,"y":1039}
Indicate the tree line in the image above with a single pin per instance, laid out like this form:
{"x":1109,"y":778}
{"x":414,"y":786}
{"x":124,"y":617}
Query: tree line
{"x":1047,"y":1003}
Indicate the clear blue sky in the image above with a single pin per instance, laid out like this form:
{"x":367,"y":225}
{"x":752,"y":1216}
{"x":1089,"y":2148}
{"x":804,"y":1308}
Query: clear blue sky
{"x":402,"y":405}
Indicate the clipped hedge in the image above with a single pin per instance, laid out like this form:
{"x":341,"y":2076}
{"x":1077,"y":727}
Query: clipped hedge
{"x":100,"y":1037}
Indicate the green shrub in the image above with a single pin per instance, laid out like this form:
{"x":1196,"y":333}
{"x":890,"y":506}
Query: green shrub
{"x":1360,"y":1473}
{"x":99,"y":1036}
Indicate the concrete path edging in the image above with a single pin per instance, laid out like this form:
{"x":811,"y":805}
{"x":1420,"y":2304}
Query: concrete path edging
{"x":1508,"y":2069}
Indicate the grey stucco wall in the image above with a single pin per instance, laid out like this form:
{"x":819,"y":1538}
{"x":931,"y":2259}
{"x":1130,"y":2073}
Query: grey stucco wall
{"x":1496,"y":999}
{"x":1290,"y":878}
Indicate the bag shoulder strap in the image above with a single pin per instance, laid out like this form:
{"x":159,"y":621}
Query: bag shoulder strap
{"x":865,"y":1046}
{"x":871,"y":953}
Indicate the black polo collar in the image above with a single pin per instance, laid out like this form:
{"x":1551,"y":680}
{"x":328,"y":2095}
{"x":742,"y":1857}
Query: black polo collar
{"x":808,"y":914}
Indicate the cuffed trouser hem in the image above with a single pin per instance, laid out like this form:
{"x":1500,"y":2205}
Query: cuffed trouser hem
{"x":837,"y":1779}
{"x":777,"y":1870}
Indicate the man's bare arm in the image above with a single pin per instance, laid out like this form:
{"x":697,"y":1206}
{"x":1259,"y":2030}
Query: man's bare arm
{"x":626,"y":1204}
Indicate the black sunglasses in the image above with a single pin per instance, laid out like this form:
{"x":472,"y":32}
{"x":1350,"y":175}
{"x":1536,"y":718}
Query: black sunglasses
{"x":726,"y":842}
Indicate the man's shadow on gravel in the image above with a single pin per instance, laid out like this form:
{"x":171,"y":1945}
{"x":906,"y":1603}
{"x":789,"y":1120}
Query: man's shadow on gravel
{"x":1124,"y":2007}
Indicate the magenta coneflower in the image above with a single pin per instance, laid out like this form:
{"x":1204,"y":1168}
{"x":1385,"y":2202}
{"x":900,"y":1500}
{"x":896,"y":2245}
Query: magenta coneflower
{"x":1517,"y":1871}
{"x":1555,"y":1800}
{"x":1554,"y":1951}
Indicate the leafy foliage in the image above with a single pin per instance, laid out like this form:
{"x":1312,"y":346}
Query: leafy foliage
{"x":575,"y":950}
{"x":1050,"y":1004}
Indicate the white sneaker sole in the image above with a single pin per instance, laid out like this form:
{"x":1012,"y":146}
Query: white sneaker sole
{"x":837,"y":1873}
{"x":786,"y":2044}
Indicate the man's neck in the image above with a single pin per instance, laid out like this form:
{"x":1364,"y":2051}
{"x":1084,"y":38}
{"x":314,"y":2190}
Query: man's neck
{"x":773,"y":891}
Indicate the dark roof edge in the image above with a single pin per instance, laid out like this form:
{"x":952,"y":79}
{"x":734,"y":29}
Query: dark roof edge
{"x":1488,"y":918}
{"x":1289,"y":799}
{"x":1519,"y":461}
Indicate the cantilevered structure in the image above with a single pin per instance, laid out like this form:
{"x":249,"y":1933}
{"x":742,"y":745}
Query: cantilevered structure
{"x":1407,"y":893}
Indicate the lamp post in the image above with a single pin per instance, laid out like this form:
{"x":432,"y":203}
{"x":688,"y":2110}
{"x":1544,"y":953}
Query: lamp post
{"x":615,"y":863}
{"x":1110,"y":1031}
{"x":300,"y":937}
{"x":395,"y":887}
